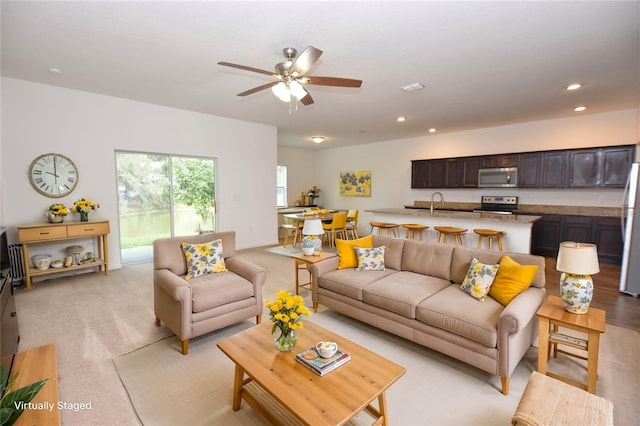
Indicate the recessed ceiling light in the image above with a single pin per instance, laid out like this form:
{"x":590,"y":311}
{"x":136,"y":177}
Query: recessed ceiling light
{"x":574,"y":86}
{"x":318,"y":139}
{"x":432,"y":130}
{"x":401,"y":119}
{"x":55,"y":71}
{"x":580,"y":108}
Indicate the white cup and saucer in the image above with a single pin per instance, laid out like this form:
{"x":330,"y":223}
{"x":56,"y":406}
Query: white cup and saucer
{"x":327,"y":349}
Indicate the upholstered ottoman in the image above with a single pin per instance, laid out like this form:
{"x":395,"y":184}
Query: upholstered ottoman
{"x":547,"y":401}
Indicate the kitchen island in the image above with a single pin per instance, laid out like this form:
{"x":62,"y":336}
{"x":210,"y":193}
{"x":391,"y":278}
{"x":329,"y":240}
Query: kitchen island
{"x":517,"y":226}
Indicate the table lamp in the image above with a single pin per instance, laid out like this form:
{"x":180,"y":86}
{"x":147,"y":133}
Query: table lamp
{"x":312,"y":237}
{"x":577,"y":261}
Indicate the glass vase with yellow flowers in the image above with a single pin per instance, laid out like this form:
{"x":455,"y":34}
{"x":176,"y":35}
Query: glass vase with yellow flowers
{"x":286,"y":312}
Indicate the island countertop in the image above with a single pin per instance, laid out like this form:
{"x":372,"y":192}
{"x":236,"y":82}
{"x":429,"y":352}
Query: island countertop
{"x":454,"y":214}
{"x":517,"y":227}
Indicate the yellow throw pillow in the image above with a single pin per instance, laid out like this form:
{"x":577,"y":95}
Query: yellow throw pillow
{"x":511,"y":280}
{"x":203,"y":259}
{"x":347,"y":252}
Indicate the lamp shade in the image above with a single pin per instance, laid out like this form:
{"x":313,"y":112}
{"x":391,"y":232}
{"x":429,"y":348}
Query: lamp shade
{"x":312,"y":227}
{"x":578,"y":258}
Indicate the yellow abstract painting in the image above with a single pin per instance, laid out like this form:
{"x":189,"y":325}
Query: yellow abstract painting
{"x":355,"y":184}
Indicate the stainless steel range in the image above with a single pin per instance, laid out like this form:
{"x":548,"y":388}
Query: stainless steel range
{"x":498,"y":204}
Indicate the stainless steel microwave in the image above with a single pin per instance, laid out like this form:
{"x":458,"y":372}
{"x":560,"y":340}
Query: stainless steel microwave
{"x":502,"y":177}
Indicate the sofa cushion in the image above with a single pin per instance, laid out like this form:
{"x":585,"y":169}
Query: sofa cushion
{"x":203,"y":258}
{"x":427,"y":258}
{"x":370,"y":259}
{"x":454,"y":311}
{"x":350,"y":282}
{"x":213,"y":290}
{"x":346,"y":252}
{"x":479,"y":279}
{"x":512,"y":279}
{"x":402,"y":292}
{"x":392,"y":252}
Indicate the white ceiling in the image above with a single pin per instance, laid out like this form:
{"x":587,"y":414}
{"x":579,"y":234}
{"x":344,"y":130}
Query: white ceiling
{"x":482,"y":64}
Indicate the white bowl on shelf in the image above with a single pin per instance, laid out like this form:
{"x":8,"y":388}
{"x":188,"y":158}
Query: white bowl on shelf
{"x":41,"y":261}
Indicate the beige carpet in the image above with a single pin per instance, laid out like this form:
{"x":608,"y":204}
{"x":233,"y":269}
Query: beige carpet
{"x":167,"y":388}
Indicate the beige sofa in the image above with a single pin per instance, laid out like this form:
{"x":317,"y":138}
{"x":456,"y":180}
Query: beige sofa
{"x":209,"y":302}
{"x":418,"y":297}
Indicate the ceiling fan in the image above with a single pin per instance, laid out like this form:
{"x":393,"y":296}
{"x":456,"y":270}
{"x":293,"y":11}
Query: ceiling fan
{"x":290,"y":76}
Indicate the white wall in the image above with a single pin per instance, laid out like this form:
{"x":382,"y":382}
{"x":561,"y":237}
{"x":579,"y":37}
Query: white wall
{"x":390,"y":161}
{"x":301,"y":172}
{"x":88,"y":128}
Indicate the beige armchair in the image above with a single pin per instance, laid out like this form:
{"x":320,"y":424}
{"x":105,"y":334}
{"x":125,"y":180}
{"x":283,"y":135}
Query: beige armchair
{"x":209,"y":302}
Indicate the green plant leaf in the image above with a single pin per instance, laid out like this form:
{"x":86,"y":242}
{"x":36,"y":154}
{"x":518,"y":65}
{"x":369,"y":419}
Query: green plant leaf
{"x":10,"y":402}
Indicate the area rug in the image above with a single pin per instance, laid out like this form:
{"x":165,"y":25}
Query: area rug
{"x":167,"y":388}
{"x":288,"y":250}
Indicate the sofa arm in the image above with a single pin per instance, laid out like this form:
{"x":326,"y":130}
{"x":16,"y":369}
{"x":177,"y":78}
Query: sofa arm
{"x":517,"y":314}
{"x":318,"y":269}
{"x":251,"y":272}
{"x":174,"y":285}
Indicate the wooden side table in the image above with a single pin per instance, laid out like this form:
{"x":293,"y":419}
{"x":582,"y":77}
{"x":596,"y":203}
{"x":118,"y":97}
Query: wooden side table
{"x":552,"y":315}
{"x":302,"y":262}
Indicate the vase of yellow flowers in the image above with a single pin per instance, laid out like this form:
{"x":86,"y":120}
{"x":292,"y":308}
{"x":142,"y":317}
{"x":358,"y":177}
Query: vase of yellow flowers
{"x":286,"y":312}
{"x":56,"y":213}
{"x":83,"y":207}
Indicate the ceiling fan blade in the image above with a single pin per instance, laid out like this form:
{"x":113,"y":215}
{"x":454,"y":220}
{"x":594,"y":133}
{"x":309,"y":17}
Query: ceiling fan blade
{"x":307,"y":100}
{"x":305,"y":61}
{"x":332,"y":81}
{"x":243,"y":67}
{"x":257,"y":89}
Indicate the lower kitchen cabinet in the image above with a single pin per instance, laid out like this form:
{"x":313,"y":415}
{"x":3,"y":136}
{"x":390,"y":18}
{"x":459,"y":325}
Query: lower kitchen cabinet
{"x":604,"y":232}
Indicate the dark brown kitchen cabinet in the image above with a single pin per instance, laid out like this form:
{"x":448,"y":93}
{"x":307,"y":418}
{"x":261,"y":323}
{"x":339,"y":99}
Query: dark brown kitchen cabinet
{"x":419,"y":173}
{"x":615,"y":163}
{"x":554,"y":169}
{"x":545,"y":236}
{"x":470,"y":167}
{"x":529,"y":170}
{"x":428,"y":173}
{"x":453,"y":173}
{"x":501,"y":160}
{"x":604,"y":232}
{"x":583,"y":168}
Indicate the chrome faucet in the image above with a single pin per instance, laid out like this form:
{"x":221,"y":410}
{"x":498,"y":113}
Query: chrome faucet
{"x":433,"y":196}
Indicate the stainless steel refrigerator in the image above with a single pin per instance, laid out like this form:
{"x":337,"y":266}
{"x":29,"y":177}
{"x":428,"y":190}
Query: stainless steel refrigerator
{"x":630,"y":270}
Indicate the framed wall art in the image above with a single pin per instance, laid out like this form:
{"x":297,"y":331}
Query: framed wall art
{"x":355,"y":184}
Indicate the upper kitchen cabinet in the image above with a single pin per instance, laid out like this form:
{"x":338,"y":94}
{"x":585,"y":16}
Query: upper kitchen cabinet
{"x":428,"y":173}
{"x":615,"y":164}
{"x":502,"y":160}
{"x":554,"y":169}
{"x":470,"y":167}
{"x":583,"y":168}
{"x":529,"y":170}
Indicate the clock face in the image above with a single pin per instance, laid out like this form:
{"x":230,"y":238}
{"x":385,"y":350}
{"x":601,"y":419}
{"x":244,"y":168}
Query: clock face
{"x":53,"y":175}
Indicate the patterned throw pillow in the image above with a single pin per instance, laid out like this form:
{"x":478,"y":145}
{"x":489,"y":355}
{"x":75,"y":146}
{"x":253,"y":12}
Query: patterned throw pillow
{"x":370,"y":259}
{"x":346,"y":253}
{"x":204,"y":258}
{"x":479,"y":279}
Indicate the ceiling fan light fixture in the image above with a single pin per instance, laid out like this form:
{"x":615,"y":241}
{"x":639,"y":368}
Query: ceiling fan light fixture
{"x":318,"y":139}
{"x":281,"y":91}
{"x":297,"y":90}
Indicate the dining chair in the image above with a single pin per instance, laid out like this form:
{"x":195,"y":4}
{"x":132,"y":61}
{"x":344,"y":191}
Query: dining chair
{"x":352,"y":224}
{"x":292,"y":229}
{"x":337,"y":227}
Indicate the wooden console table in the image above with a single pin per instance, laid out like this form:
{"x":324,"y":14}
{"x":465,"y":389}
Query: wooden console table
{"x":47,"y":232}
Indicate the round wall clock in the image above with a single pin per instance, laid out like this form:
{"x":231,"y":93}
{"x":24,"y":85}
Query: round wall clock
{"x":53,"y":175}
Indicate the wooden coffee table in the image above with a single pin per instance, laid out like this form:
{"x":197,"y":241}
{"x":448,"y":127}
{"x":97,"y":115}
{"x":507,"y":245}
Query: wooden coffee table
{"x":286,"y":392}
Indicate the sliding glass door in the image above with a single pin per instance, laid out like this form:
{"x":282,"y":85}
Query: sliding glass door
{"x":162,"y":196}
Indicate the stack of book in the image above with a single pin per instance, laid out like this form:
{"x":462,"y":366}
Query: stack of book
{"x":321,"y":366}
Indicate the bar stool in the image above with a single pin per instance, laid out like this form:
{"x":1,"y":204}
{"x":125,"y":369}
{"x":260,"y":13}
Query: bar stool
{"x":384,"y":225}
{"x":413,"y":229}
{"x":490,"y":234}
{"x":445,"y":231}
